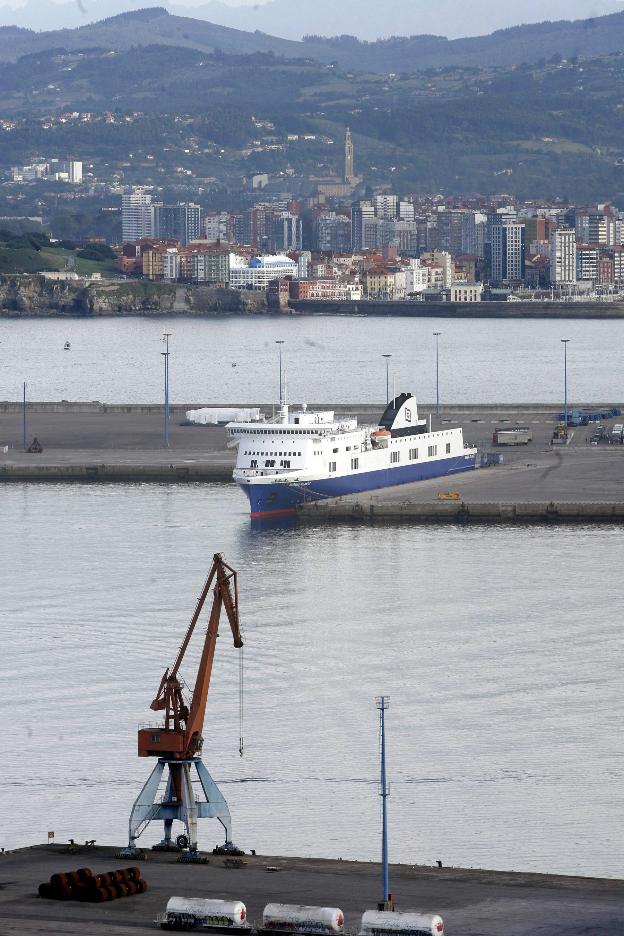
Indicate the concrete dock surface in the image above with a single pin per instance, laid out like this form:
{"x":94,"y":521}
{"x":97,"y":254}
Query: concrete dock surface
{"x":471,"y":902}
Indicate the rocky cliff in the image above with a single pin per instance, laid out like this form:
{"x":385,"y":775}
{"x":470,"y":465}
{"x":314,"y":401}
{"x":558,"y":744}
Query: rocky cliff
{"x":36,"y":296}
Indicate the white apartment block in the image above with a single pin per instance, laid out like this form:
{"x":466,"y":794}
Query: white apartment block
{"x":416,"y":278}
{"x":137,"y":215}
{"x":563,"y":256}
{"x":171,"y":264}
{"x":386,"y":207}
{"x":216,"y":226}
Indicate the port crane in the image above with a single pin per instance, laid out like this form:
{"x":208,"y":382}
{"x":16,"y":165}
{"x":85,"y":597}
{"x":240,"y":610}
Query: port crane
{"x":178,"y":740}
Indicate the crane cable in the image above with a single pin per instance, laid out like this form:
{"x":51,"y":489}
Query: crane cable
{"x":241,"y":746}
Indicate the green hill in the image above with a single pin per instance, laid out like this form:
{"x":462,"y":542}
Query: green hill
{"x":155,"y":26}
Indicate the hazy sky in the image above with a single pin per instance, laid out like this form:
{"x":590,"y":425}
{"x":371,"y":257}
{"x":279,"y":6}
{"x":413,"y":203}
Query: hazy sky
{"x":367,"y":19}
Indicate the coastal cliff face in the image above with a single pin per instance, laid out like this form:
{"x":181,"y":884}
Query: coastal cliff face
{"x":38,"y":297}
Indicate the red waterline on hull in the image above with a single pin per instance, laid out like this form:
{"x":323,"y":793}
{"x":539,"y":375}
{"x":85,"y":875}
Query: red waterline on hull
{"x":282,"y":512}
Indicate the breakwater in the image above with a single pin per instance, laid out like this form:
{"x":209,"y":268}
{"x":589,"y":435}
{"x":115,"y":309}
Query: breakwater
{"x":589,"y":309}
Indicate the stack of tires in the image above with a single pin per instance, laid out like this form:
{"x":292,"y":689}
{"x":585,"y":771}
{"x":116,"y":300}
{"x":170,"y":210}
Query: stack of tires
{"x":94,"y":888}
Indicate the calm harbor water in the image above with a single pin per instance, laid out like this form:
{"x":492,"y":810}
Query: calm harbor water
{"x":501,"y":650}
{"x":326,"y":359}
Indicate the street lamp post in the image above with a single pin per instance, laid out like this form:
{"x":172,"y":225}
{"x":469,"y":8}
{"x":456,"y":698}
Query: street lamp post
{"x":165,"y":354}
{"x":437,"y":338}
{"x":383,"y":703}
{"x":24,"y":444}
{"x":279,"y":343}
{"x":564,"y":342}
{"x":387,"y":357}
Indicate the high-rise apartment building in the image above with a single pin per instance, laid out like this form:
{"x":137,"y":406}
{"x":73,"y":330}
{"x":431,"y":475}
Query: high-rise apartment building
{"x":287,"y":232}
{"x":386,"y":207}
{"x":563,"y":257}
{"x":507,"y":262}
{"x":216,"y":226}
{"x":137,"y":215}
{"x":449,"y":230}
{"x":360,"y":213}
{"x":180,"y":222}
{"x":596,"y":228}
{"x":332,"y":232}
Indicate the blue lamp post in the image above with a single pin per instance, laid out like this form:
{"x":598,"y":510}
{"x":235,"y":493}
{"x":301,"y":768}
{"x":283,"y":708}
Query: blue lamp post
{"x":564,"y":342}
{"x":165,"y":354}
{"x":279,"y":342}
{"x":387,"y":357}
{"x":383,"y":703}
{"x":437,"y":338}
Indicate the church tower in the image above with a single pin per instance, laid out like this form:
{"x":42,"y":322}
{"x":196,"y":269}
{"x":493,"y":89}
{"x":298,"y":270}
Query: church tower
{"x":349,"y":174}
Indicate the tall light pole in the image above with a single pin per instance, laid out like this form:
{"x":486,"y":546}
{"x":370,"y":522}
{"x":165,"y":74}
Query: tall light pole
{"x":564,"y":342}
{"x":383,"y":703}
{"x":387,"y":357}
{"x":279,"y":343}
{"x":165,"y":354}
{"x":437,"y":338}
{"x":24,"y":443}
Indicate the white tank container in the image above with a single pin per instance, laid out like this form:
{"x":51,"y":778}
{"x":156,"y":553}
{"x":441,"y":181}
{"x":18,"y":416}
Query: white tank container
{"x":210,"y":912}
{"x":296,"y":918}
{"x":382,"y":922}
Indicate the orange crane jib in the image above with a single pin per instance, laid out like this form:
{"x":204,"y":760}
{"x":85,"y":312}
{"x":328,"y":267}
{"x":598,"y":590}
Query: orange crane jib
{"x":180,"y":736}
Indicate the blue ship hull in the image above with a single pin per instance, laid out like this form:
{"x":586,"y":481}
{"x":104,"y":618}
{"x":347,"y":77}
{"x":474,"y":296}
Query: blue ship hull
{"x":281,"y":498}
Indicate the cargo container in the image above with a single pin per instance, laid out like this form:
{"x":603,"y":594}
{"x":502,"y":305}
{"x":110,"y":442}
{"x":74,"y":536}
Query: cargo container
{"x":516,"y":435}
{"x":409,"y":923}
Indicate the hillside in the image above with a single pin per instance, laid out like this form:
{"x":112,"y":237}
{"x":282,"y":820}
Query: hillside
{"x":552,"y":129}
{"x":154,"y":26}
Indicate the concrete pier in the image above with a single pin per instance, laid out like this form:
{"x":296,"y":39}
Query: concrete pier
{"x":472,"y":902}
{"x":95,"y":442}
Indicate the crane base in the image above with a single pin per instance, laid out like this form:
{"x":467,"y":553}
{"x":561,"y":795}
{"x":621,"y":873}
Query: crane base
{"x":228,"y":849}
{"x":193,"y":858}
{"x":180,"y":803}
{"x":131,"y":853}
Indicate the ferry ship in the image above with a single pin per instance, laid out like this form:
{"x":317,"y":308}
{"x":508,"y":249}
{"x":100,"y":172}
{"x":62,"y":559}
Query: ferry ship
{"x":303,"y":455}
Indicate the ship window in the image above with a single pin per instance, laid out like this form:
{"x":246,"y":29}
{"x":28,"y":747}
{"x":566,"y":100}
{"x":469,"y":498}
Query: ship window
{"x":348,"y":449}
{"x":395,"y":457}
{"x":332,"y":466}
{"x":432,"y":451}
{"x":155,"y":739}
{"x":334,"y":451}
{"x":448,"y":448}
{"x":254,"y":463}
{"x":413,"y":454}
{"x":356,"y":448}
{"x":355,"y":463}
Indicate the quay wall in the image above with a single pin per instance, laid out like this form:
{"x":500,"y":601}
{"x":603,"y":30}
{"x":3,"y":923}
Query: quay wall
{"x":505,"y":310}
{"x":355,"y":409}
{"x":460,"y":512}
{"x":121,"y":473}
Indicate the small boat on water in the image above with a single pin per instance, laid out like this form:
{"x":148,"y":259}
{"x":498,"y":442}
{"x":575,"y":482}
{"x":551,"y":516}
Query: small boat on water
{"x":303,"y":455}
{"x":66,"y":346}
